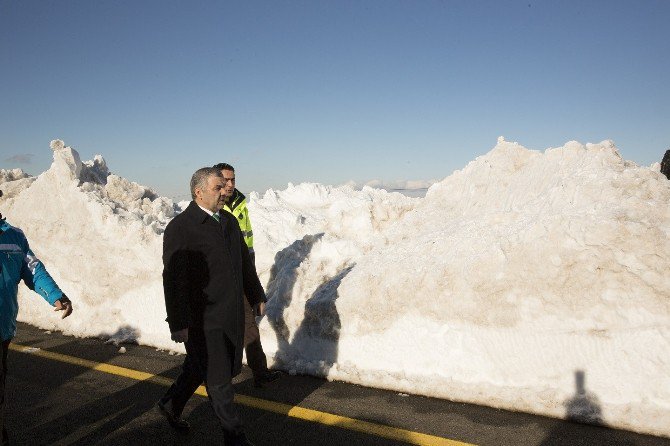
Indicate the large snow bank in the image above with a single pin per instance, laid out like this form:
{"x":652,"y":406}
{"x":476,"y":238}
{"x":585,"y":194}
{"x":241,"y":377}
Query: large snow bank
{"x":529,"y":281}
{"x":100,"y":238}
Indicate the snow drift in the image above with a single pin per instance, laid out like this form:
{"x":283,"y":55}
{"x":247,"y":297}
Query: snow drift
{"x":528,"y":281}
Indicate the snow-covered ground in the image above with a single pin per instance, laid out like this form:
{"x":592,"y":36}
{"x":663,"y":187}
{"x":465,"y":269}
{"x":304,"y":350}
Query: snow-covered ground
{"x":531,"y":281}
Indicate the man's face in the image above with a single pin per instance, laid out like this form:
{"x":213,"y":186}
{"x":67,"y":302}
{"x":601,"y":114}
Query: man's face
{"x":229,"y":181}
{"x":213,"y":195}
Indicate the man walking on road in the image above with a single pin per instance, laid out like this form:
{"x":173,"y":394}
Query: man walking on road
{"x":236,"y":204}
{"x":17,"y":262}
{"x":206,"y":272}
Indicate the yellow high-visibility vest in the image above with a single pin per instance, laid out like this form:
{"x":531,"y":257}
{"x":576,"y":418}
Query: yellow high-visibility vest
{"x":238,"y":207}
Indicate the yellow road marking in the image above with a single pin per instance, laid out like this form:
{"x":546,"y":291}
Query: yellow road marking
{"x":301,"y":413}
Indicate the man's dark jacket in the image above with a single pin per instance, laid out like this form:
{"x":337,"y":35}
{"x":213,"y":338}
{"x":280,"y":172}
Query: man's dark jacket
{"x":206,"y":272}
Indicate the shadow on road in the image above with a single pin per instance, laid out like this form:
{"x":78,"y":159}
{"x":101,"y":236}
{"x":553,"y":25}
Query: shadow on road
{"x":585,"y":408}
{"x":60,"y":411}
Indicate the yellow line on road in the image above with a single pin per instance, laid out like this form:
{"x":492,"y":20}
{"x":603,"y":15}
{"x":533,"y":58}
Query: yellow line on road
{"x":301,"y":413}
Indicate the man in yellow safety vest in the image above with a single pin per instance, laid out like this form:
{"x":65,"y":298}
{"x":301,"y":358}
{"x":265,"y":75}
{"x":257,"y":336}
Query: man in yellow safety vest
{"x":236,"y":204}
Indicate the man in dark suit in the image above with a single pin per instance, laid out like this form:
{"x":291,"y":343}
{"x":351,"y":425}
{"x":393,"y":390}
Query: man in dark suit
{"x":207,"y":270}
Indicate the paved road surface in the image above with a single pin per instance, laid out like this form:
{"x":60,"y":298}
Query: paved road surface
{"x":69,"y":391}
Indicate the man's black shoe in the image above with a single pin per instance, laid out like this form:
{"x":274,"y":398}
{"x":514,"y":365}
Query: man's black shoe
{"x":268,"y":377}
{"x":175,"y":421}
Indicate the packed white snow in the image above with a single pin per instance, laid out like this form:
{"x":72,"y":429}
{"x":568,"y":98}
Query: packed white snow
{"x":531,"y":281}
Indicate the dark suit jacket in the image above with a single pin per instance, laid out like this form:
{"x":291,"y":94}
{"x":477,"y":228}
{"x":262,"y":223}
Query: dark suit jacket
{"x":206,"y":272}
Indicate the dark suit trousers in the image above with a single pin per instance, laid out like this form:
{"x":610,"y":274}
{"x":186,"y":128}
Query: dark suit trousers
{"x":209,"y":358}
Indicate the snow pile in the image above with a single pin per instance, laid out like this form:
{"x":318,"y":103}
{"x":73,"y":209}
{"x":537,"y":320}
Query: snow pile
{"x":515,"y":276}
{"x":529,"y":281}
{"x":99,"y":236}
{"x":526,"y":281}
{"x":13,"y":181}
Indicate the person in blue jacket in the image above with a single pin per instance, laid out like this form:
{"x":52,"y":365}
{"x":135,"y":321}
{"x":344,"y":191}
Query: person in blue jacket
{"x":17,"y":262}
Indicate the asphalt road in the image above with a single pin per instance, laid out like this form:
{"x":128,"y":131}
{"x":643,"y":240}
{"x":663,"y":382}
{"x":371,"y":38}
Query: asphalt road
{"x":71,"y":391}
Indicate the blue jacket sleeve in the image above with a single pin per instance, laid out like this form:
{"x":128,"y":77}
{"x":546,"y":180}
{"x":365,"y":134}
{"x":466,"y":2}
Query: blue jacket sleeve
{"x":37,"y":278}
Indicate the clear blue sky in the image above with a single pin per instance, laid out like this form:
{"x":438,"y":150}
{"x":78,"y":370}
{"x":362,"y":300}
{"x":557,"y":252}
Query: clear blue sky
{"x":326,"y":91}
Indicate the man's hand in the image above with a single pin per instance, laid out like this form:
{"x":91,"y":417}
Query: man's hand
{"x":65,"y":306}
{"x":180,"y":335}
{"x":259,"y":309}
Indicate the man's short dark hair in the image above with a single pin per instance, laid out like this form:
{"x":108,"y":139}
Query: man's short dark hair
{"x":224,"y":166}
{"x":199,"y":178}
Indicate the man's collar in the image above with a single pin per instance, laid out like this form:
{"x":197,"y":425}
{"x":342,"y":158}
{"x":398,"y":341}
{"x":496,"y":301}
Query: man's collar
{"x":210,"y":213}
{"x":235,"y":199}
